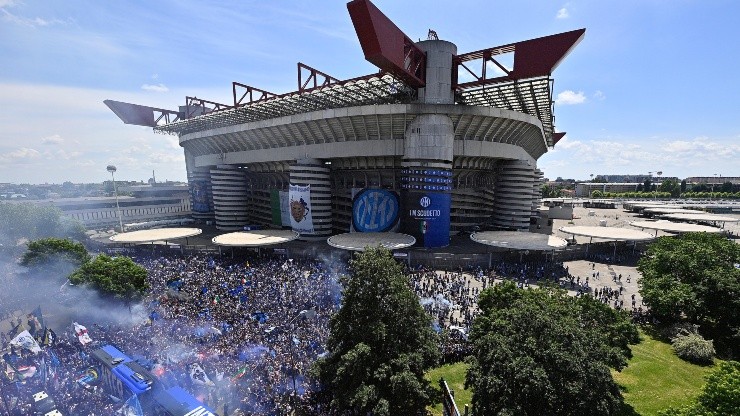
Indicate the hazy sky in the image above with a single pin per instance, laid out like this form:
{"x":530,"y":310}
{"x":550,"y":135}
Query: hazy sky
{"x":653,"y":86}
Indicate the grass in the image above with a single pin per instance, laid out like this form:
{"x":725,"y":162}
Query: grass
{"x":454,"y":374}
{"x":656,"y":378}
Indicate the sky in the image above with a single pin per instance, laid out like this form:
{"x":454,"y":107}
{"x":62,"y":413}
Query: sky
{"x":653,"y":86}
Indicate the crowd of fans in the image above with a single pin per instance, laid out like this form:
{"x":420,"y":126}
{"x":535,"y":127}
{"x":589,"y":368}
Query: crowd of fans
{"x":252,"y":327}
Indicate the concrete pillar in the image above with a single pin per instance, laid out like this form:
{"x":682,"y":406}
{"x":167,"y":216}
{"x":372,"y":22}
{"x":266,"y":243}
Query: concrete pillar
{"x":426,"y":175}
{"x":539,"y":180}
{"x":438,"y":89}
{"x":513,"y":197}
{"x":230,"y":196}
{"x":314,"y":173}
{"x":426,"y":180}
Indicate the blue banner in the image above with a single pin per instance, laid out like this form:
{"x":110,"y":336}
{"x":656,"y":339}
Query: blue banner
{"x":199,"y":195}
{"x":374,"y":210}
{"x":426,"y":216}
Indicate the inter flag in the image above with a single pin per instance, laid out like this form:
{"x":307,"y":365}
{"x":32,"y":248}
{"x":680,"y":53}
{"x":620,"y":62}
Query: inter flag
{"x":16,"y":330}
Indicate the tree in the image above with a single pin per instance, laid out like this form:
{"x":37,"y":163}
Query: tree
{"x":28,"y":221}
{"x":670,"y":186}
{"x":45,"y":250}
{"x":380,"y":345}
{"x":542,"y":352}
{"x":719,"y":397}
{"x":694,"y":278}
{"x":683,"y":186}
{"x":117,"y":276}
{"x":648,"y":185}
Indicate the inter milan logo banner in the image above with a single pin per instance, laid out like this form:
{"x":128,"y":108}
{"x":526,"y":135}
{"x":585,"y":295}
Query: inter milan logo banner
{"x":374,"y":210}
{"x":300,"y":209}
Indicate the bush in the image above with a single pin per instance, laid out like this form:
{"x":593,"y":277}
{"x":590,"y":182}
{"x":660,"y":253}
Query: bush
{"x":692,"y":347}
{"x":680,"y":328}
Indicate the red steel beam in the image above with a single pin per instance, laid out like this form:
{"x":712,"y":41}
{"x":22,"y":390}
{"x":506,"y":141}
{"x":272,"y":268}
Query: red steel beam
{"x":191,"y":103}
{"x":556,"y":137}
{"x":249,"y":94}
{"x":385,"y":45}
{"x":532,"y":58}
{"x":313,"y":75}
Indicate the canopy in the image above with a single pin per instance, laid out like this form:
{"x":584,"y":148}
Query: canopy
{"x":607,"y":233}
{"x":158,"y":234}
{"x":675,"y":227}
{"x":258,"y":238}
{"x":519,"y":240}
{"x":358,"y":241}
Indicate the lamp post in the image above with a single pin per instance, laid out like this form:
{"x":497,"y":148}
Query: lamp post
{"x":591,"y":191}
{"x":655,"y":195}
{"x":112,"y":169}
{"x":713,"y":182}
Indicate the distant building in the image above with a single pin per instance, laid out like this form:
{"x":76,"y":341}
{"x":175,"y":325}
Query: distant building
{"x":584,"y":189}
{"x":633,"y":178}
{"x":148,"y":203}
{"x":713,"y":180}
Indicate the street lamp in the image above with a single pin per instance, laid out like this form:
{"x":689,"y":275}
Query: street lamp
{"x":591,"y":193}
{"x":112,"y":170}
{"x":655,"y":195}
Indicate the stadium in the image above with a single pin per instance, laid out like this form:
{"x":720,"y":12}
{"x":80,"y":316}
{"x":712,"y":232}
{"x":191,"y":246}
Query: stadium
{"x":437,"y":142}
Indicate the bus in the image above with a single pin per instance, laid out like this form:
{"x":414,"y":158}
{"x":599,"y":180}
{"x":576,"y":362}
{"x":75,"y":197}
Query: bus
{"x":120,"y":375}
{"x":175,"y":401}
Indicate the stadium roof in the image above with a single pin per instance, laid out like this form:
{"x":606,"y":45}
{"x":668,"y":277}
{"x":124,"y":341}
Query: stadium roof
{"x":157,"y":234}
{"x":519,"y":240}
{"x":372,"y":89}
{"x":532,"y":97}
{"x":359,"y":241}
{"x":257,"y":238}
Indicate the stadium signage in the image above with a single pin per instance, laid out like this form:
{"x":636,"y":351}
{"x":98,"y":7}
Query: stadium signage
{"x":426,"y":216}
{"x":375,"y":210}
{"x":425,"y":213}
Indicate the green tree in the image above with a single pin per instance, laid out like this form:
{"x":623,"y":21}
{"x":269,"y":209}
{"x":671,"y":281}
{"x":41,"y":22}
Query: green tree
{"x":25,"y":220}
{"x":694,"y":278}
{"x":671,"y":186}
{"x":683,"y":186}
{"x":380,"y":345}
{"x":45,"y":250}
{"x":542,"y":352}
{"x":719,"y":397}
{"x":117,"y":276}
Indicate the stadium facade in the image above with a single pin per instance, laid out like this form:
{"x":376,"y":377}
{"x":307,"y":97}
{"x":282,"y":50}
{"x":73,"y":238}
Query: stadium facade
{"x":410,"y":149}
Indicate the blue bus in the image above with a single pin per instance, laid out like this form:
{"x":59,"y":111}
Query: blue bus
{"x":120,"y":375}
{"x":175,"y":401}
